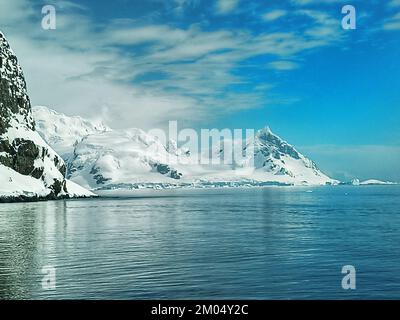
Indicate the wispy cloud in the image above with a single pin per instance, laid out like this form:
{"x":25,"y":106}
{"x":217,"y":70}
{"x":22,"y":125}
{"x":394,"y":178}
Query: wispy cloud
{"x":394,"y":3}
{"x":122,"y":34}
{"x":322,"y":26}
{"x":226,"y":6}
{"x":274,"y":15}
{"x":141,"y":73}
{"x":392,"y":23}
{"x":283,"y":65}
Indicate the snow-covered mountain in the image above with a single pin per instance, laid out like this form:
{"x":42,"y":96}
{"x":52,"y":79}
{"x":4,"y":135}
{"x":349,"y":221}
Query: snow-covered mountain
{"x":29,"y":168}
{"x":63,"y":133}
{"x":121,"y":156}
{"x":274,"y":159}
{"x":132,"y":158}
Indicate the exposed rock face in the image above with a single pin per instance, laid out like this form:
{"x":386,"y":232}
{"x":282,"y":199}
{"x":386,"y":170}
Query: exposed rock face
{"x":275,"y":155}
{"x":13,"y":97}
{"x":21,"y":147}
{"x":268,"y":143}
{"x":166,"y":170}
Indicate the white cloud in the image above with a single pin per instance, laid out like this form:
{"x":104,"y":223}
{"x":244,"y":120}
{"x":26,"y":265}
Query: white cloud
{"x":392,"y":23}
{"x":323,"y":25}
{"x":274,"y":15}
{"x":198,"y":44}
{"x":394,"y":3}
{"x":226,"y":6}
{"x":14,"y":12}
{"x":138,"y":73}
{"x":124,"y":35}
{"x":283,"y":65}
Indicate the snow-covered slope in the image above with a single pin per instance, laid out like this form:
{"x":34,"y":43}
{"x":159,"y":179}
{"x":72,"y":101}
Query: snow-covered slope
{"x":29,"y":168}
{"x":275,"y":159}
{"x":15,"y":186}
{"x":132,"y":158}
{"x":63,"y":132}
{"x":121,"y":156}
{"x":376,"y":182}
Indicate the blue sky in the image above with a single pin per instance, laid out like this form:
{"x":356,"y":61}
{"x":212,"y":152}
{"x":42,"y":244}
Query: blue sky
{"x":333,"y":93}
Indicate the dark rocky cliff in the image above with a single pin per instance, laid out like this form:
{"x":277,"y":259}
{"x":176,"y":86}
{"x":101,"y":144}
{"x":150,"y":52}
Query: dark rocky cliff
{"x":21,"y":148}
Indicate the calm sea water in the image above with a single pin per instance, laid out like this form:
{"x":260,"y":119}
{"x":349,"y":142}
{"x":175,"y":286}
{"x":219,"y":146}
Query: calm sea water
{"x":270,"y":243}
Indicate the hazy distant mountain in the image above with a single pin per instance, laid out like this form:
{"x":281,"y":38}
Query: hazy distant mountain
{"x":29,"y":168}
{"x":105,"y":158}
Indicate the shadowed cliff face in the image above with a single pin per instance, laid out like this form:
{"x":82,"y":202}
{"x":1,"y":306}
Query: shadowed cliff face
{"x":21,"y":148}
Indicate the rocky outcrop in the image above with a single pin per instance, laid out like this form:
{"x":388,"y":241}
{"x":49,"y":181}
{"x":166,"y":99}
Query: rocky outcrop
{"x":166,"y":170}
{"x":21,"y":148}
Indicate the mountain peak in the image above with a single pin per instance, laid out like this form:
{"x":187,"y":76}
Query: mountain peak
{"x":265,"y":134}
{"x":265,"y":130}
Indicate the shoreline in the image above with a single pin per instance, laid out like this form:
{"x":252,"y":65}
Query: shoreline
{"x":149,"y":192}
{"x":36,"y":198}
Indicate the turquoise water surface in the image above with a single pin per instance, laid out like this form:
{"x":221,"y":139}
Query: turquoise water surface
{"x":260,"y":243}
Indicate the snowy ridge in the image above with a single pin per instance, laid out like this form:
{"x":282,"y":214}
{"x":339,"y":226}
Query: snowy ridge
{"x":132,"y":158}
{"x":14,"y":185}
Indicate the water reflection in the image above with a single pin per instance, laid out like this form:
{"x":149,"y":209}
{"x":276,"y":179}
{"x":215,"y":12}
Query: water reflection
{"x":258,"y":243}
